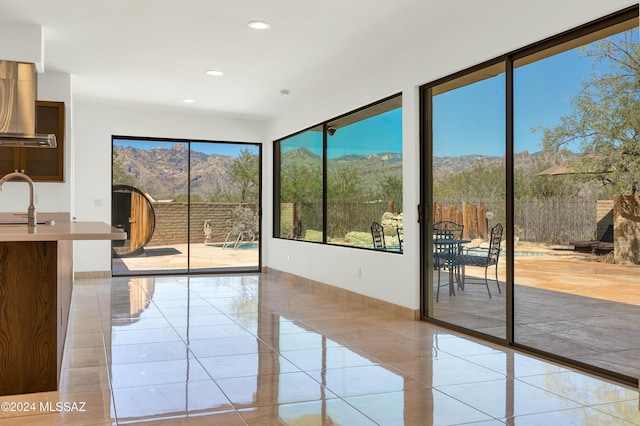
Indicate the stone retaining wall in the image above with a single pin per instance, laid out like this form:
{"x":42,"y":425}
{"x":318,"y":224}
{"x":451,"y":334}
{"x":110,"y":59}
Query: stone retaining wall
{"x":604,"y":217}
{"x":626,"y":229}
{"x":172,"y":221}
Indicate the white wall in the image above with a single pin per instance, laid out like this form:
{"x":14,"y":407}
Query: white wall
{"x":435,"y":45}
{"x":22,"y":43}
{"x":95,"y":124}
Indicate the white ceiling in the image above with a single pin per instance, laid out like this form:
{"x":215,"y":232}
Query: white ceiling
{"x":157,"y":51}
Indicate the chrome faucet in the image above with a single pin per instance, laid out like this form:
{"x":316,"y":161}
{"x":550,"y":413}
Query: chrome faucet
{"x":31,"y":212}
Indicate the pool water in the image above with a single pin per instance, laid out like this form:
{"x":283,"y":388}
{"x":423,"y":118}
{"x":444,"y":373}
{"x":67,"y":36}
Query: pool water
{"x":479,"y":252}
{"x":241,"y":246}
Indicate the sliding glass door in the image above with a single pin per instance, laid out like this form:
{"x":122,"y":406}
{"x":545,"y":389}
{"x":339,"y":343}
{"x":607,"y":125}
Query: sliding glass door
{"x":150,"y":186}
{"x":576,"y":279}
{"x":224,"y":226}
{"x":543,"y":142}
{"x":467,"y":165}
{"x":186,"y":206}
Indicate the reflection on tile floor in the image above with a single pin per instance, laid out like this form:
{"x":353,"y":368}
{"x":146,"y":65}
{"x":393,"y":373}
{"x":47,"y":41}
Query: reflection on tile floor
{"x":246,"y":350}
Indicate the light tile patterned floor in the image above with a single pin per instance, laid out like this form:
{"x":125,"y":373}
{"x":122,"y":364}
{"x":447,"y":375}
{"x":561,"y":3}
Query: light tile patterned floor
{"x":246,"y":350}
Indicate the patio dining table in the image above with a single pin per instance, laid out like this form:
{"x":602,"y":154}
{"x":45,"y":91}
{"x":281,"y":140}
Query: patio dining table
{"x":451,"y":247}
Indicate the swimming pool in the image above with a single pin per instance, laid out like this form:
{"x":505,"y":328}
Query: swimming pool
{"x":241,"y":246}
{"x":480,"y":252}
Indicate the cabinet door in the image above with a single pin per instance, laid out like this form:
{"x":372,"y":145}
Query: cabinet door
{"x":9,"y":160}
{"x":41,"y":164}
{"x":46,"y":164}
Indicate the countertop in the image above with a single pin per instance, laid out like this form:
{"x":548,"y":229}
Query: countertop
{"x":61,"y":231}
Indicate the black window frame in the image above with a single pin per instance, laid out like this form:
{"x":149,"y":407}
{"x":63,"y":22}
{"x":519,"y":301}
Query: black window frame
{"x":277,"y":161}
{"x":575,"y":37}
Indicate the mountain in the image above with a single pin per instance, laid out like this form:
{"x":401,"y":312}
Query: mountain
{"x":371,"y":169}
{"x":163,"y":173}
{"x":301,"y":157}
{"x":449,"y":166}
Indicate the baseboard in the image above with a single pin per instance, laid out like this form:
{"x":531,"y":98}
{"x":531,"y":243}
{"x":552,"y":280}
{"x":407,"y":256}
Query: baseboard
{"x":92,"y":274}
{"x":316,"y":287}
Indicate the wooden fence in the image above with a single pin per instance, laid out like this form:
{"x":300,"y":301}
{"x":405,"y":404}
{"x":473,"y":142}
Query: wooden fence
{"x":556,"y":221}
{"x":342,"y":217}
{"x":472,"y":216}
{"x":551,"y":221}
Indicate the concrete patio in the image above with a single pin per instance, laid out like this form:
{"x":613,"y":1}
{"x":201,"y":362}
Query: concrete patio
{"x":565,"y":303}
{"x":175,"y":259}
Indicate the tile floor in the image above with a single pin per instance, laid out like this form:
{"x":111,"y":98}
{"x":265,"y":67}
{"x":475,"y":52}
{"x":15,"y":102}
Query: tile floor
{"x":247,"y":350}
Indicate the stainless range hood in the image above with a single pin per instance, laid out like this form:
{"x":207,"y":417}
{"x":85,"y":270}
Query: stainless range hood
{"x":18,"y":82}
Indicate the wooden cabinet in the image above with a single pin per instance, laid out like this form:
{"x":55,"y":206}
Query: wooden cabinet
{"x":29,"y":317}
{"x":36,"y":284}
{"x":35,"y":298}
{"x":41,"y":164}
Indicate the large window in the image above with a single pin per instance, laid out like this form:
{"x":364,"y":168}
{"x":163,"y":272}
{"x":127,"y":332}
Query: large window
{"x":335,"y":180}
{"x":301,"y":186}
{"x":545,"y":142}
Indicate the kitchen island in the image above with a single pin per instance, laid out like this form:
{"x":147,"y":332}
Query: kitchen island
{"x":36,"y":280}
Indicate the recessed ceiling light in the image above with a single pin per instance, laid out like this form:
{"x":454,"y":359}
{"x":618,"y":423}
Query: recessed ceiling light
{"x":284,"y":92}
{"x":259,"y":25}
{"x":188,"y":101}
{"x":215,"y":73}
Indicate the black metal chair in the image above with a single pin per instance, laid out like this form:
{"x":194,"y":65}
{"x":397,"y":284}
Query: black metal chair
{"x":400,"y":232}
{"x":484,"y":260}
{"x":444,"y":254}
{"x":377,"y":234}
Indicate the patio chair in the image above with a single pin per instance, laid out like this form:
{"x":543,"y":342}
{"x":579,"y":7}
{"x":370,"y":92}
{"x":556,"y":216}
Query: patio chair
{"x":377,"y":234}
{"x":484,"y":260}
{"x":603,"y":246}
{"x":444,"y":254}
{"x":450,"y":229}
{"x":400,"y":232}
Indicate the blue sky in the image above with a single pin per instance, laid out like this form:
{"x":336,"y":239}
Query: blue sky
{"x":377,"y":134}
{"x":231,"y":149}
{"x":470,"y":120}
